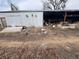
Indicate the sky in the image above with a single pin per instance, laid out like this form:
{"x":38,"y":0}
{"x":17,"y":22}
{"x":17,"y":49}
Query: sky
{"x":34,"y":5}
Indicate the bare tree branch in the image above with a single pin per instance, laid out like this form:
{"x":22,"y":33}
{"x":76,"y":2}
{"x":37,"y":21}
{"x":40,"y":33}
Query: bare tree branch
{"x":13,"y":7}
{"x":56,"y":4}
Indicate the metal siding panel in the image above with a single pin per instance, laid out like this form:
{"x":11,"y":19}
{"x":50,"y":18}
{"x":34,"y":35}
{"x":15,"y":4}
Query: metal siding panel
{"x":20,"y":19}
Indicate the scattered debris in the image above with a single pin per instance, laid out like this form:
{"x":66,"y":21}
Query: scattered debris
{"x":54,"y":26}
{"x":67,"y":26}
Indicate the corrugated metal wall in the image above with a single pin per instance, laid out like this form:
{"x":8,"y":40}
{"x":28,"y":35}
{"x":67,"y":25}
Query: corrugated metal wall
{"x":29,"y":19}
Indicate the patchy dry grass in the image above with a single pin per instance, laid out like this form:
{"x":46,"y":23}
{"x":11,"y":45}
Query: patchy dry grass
{"x":40,"y":51}
{"x":55,"y":44}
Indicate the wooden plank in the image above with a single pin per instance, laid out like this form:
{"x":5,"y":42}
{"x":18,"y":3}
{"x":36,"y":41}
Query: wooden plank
{"x":65,"y":17}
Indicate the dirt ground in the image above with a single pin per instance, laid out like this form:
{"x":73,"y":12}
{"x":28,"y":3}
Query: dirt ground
{"x":37,"y":43}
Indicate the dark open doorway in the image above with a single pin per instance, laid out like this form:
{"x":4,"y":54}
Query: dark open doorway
{"x":59,"y":16}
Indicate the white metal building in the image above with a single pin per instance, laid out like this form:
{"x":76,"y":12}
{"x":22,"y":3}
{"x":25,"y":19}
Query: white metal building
{"x":23,"y":18}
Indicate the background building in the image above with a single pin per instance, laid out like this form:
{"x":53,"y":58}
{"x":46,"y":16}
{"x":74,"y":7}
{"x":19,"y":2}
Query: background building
{"x":23,"y":18}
